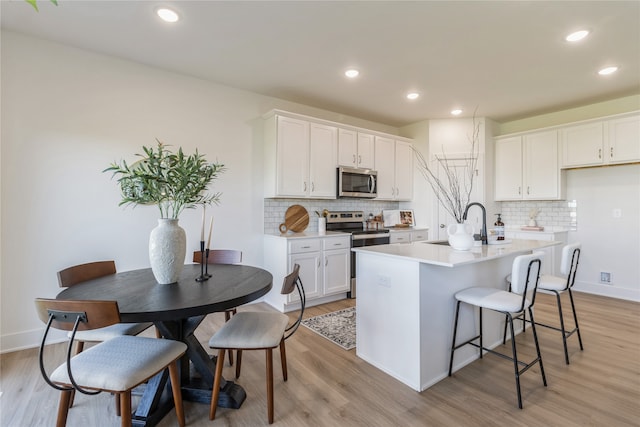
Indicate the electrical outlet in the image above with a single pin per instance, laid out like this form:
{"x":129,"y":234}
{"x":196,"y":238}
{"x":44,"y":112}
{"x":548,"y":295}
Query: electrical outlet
{"x":617,"y":213}
{"x":605,"y":277}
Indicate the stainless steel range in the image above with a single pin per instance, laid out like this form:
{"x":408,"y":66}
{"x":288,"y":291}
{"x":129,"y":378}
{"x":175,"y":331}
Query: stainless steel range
{"x":354,"y":222}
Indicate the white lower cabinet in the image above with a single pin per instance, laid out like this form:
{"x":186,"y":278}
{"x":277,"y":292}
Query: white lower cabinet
{"x":325,"y":268}
{"x":551,"y":261}
{"x":408,"y":236}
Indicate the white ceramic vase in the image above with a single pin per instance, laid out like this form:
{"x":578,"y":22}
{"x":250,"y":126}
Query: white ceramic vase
{"x":167,"y":250}
{"x":460,"y":236}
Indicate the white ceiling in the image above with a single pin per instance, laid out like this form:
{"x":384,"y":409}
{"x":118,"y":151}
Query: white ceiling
{"x":507,"y":58}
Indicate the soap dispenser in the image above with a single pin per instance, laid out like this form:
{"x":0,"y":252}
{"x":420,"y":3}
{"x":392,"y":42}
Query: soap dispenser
{"x":499,"y":227}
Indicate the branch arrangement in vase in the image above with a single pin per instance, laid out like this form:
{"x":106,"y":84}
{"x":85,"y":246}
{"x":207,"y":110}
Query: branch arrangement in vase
{"x":172,"y":181}
{"x":453,"y":189}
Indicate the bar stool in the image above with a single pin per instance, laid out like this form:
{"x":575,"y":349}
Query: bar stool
{"x":558,"y":285}
{"x":525,"y":275}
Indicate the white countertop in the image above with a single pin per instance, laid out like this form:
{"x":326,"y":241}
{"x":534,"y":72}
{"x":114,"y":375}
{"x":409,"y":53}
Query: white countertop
{"x":446,"y":256}
{"x":308,"y":234}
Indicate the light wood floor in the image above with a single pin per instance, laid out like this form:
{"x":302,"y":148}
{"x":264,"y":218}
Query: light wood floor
{"x":331,"y":387}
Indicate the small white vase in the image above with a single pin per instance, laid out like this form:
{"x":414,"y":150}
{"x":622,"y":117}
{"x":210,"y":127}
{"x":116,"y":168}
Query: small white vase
{"x":460,"y":236}
{"x":167,"y":250}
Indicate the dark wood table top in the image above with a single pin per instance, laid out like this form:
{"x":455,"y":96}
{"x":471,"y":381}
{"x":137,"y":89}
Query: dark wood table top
{"x":141,"y":299}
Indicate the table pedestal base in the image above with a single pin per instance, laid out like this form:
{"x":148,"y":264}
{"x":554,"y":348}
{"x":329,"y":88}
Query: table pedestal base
{"x":196,"y":383}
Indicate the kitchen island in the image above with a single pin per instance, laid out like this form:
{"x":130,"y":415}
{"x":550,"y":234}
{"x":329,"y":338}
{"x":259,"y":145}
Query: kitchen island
{"x":405,"y":305}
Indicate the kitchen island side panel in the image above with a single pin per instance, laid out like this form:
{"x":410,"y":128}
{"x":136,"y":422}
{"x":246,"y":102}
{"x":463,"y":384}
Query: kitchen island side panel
{"x":405,"y":314}
{"x":388,"y":316}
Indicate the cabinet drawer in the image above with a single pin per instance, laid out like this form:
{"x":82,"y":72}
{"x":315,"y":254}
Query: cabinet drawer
{"x":331,"y":243}
{"x":304,"y":245}
{"x":417,"y":236}
{"x":400,"y":237}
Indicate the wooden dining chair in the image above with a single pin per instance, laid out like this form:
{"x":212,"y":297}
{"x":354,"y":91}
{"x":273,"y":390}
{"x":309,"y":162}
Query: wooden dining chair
{"x":255,"y":330}
{"x":116,"y":365}
{"x":76,"y":274}
{"x":222,"y":256}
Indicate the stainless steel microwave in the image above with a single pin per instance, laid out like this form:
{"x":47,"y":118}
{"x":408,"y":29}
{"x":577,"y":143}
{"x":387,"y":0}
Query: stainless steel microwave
{"x":360,"y":183}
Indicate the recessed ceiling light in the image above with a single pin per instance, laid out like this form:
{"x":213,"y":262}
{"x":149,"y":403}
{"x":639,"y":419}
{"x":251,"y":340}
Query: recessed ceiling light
{"x":578,"y":35}
{"x":413,"y":95}
{"x":352,"y":73}
{"x":167,"y":15}
{"x":608,"y":70}
{"x":456,"y":112}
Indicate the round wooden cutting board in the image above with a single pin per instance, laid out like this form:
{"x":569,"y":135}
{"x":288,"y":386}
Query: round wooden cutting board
{"x":296,"y":219}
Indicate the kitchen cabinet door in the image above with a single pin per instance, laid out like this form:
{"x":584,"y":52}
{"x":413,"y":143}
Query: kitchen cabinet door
{"x":323,"y":161}
{"x":366,"y":151}
{"x":348,"y":148}
{"x":582,"y":145}
{"x":385,"y":166}
{"x":508,"y":174}
{"x":403,"y":171}
{"x":337,"y":274}
{"x":624,"y":140}
{"x":292,"y":168}
{"x":541,"y":175}
{"x":310,"y":273}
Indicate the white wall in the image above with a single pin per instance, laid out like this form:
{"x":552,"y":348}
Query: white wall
{"x":608,"y":243}
{"x":68,"y":113}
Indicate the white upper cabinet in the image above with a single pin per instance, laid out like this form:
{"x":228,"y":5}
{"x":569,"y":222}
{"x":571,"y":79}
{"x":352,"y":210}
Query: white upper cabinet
{"x":300,"y":158}
{"x":601,"y":142}
{"x":624,"y":139}
{"x":355,"y":149}
{"x":394,"y":164}
{"x":527,"y":167}
{"x":583,"y":145}
{"x":302,"y":154}
{"x":292,"y":162}
{"x":323,"y":150}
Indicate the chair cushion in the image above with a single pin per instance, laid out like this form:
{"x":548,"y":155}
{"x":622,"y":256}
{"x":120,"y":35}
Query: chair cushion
{"x":120,"y":363}
{"x":552,"y":283}
{"x":493,"y":299}
{"x":108,"y":332}
{"x":251,"y":330}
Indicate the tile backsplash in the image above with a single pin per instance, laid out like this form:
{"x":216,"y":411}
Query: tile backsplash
{"x":274,"y":210}
{"x":561,"y":213}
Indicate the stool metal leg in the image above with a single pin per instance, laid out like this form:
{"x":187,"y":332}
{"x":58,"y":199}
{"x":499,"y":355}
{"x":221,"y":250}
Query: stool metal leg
{"x":535,"y":339}
{"x":575,"y":318}
{"x":515,"y":359}
{"x":453,"y":343}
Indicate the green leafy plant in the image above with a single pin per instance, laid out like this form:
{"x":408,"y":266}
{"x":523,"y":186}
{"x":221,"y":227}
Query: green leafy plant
{"x":35,"y":5}
{"x":172,"y":181}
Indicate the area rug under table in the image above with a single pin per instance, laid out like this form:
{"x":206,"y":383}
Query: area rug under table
{"x":338,"y":327}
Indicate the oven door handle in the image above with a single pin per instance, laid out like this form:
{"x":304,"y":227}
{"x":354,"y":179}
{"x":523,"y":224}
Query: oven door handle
{"x":369,"y":236}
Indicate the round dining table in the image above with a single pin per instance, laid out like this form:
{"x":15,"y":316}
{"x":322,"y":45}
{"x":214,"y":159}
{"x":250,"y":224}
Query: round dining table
{"x":176,"y":310}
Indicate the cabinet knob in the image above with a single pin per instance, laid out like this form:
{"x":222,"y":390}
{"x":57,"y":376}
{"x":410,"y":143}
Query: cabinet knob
{"x":305,"y":186}
{"x":599,"y":153}
{"x":611,"y":152}
{"x":359,"y":159}
{"x":442,"y":226}
{"x":354,"y":159}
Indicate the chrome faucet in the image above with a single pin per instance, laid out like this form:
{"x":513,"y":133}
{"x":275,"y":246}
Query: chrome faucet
{"x":483,"y":233}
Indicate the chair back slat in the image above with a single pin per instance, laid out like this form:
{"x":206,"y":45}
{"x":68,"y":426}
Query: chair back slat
{"x":569,"y":261}
{"x":292,"y":281}
{"x":98,"y":313}
{"x":220,"y":256}
{"x":83,"y":272}
{"x":525,"y":275}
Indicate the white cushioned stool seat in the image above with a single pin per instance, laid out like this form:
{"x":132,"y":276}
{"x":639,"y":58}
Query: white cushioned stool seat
{"x":493,"y":299}
{"x":552,"y":283}
{"x":120,"y":363}
{"x":108,"y":332}
{"x":251,"y":330}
